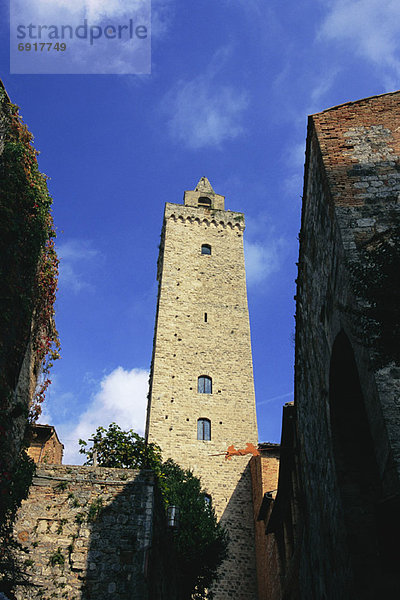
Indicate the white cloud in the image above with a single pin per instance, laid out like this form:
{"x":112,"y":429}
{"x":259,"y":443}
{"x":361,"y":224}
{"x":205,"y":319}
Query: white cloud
{"x":370,"y":28}
{"x":90,"y":49}
{"x":320,"y":89}
{"x":203,"y":112}
{"x":264,"y":250}
{"x":274,"y":398}
{"x":74,"y":257}
{"x":261,"y":260}
{"x":122,"y":398}
{"x":93,"y":10}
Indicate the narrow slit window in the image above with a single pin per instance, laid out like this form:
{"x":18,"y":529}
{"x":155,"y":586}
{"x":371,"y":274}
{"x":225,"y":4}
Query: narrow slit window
{"x":205,"y":317}
{"x":204,"y":385}
{"x":206,"y":249}
{"x":204,"y":430}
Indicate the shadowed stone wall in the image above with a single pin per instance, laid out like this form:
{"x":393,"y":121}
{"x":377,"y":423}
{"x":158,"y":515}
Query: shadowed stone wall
{"x":351,"y":193}
{"x":89,"y":535}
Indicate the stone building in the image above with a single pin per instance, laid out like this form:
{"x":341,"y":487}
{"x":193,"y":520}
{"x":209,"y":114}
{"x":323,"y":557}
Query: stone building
{"x":339,"y":484}
{"x":44,"y":445}
{"x":201,"y":397}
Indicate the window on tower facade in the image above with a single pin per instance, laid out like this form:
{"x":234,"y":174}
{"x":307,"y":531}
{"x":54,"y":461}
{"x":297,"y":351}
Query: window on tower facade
{"x":204,"y":201}
{"x":206,"y":249}
{"x":204,"y":385}
{"x":204,"y":430}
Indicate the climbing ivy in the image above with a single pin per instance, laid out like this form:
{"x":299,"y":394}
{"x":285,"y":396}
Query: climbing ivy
{"x":28,"y":272}
{"x":12,"y":572}
{"x":28,"y":263}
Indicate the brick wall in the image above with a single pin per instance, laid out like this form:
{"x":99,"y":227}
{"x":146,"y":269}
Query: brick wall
{"x":44,"y":445}
{"x":264,"y":475}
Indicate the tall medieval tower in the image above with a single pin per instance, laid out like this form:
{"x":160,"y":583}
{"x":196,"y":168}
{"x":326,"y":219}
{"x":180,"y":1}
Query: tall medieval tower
{"x":201,"y":397}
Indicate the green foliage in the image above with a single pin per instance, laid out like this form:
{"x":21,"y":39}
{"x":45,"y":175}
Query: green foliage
{"x":28,"y":273}
{"x":376,"y":281}
{"x":28,"y":261}
{"x":11,"y":569}
{"x":121,"y":449}
{"x":75,"y":501}
{"x":57,"y":558}
{"x":79,"y":518}
{"x":200,"y":541}
{"x":62,"y":486}
{"x":95,"y":509}
{"x":61,"y":526}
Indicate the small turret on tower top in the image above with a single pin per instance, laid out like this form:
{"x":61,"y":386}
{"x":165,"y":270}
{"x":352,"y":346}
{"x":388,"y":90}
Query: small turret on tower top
{"x":204,"y":196}
{"x":204,"y":186}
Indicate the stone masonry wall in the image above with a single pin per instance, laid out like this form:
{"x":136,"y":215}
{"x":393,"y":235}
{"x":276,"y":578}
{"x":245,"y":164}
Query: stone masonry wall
{"x":87,"y":532}
{"x":351,"y":190}
{"x":360,"y":149}
{"x":189,"y":344}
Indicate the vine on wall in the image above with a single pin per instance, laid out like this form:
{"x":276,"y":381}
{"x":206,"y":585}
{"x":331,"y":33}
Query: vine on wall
{"x":28,"y":275}
{"x":29,"y":263}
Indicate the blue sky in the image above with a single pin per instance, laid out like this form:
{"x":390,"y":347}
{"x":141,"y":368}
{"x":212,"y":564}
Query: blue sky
{"x":231,"y":86}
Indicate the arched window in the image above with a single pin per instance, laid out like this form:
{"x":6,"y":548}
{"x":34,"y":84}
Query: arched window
{"x":204,"y":430}
{"x":204,"y":201}
{"x":204,"y":385}
{"x":206,"y":249}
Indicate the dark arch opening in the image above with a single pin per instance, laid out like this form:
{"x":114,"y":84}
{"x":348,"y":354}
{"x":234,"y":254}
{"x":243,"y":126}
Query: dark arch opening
{"x":204,"y":201}
{"x":356,"y":468}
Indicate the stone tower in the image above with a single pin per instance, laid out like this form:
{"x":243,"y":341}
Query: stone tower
{"x":201,"y":390}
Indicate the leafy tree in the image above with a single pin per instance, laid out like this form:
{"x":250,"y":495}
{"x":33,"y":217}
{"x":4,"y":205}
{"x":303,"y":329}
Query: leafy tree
{"x":200,"y":541}
{"x":121,"y":449}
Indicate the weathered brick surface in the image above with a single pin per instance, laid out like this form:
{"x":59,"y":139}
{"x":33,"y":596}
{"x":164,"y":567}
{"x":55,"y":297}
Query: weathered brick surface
{"x":44,"y":445}
{"x":264,"y":475}
{"x":351,"y":191}
{"x":103,"y":547}
{"x":187,"y":346}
